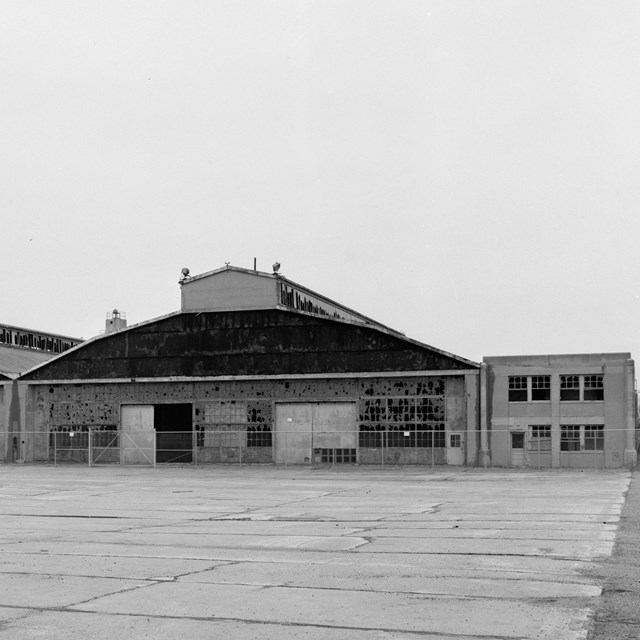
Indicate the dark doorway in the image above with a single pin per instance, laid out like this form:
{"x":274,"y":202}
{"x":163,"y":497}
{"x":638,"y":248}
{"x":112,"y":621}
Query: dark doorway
{"x":174,"y":432}
{"x":517,"y":440}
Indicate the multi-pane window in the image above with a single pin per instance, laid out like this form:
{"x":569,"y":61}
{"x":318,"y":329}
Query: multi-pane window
{"x":338,"y":455}
{"x":228,"y":422}
{"x":593,"y":388}
{"x":529,"y":388}
{"x":518,"y":389}
{"x":540,"y":437}
{"x":407,"y":421}
{"x":570,"y":438}
{"x":225,"y":412}
{"x":259,"y":436}
{"x":569,"y":388}
{"x":540,"y":387}
{"x":582,"y":437}
{"x":594,"y":437}
{"x":574,"y":388}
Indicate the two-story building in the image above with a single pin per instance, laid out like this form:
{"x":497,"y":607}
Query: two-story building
{"x":574,"y":410}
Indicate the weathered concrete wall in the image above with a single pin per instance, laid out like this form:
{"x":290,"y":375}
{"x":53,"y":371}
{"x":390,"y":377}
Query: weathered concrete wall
{"x":5,"y":390}
{"x":229,"y":291}
{"x":229,"y":416}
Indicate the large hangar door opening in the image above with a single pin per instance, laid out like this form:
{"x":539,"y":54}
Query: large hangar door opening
{"x":334,"y":425}
{"x":305,"y":431}
{"x":174,"y":432}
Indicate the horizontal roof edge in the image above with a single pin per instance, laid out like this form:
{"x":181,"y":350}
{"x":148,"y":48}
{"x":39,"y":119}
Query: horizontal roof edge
{"x":48,"y":334}
{"x":275,"y":376}
{"x":537,"y":357}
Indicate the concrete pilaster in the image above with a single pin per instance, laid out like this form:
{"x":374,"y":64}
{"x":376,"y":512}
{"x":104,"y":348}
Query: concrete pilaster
{"x":630,"y":453}
{"x":472,"y":436}
{"x":555,"y":420}
{"x":485,"y":454}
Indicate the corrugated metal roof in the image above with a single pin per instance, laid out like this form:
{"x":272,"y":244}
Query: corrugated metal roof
{"x":14,"y":360}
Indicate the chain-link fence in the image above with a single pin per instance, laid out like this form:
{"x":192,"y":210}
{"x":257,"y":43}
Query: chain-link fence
{"x":580,"y":446}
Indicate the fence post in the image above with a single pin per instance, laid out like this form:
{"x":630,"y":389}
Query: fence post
{"x":240,"y":445}
{"x":155,"y":443}
{"x":89,"y":447}
{"x":483,"y":453}
{"x":55,"y":448}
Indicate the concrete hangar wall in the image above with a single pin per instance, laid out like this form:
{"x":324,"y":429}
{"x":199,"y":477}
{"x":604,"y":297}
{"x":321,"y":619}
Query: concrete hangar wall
{"x":254,"y":368}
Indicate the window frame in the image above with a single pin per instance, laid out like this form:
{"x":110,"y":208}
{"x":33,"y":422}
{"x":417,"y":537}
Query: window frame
{"x":537,"y":443}
{"x":538,"y":388}
{"x":590,"y":387}
{"x":410,"y":421}
{"x":586,"y":434}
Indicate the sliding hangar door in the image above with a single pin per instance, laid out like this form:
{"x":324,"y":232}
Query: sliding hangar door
{"x":315,"y":432}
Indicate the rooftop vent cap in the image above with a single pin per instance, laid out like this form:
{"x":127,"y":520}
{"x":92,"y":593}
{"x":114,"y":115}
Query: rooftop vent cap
{"x":184,"y":275}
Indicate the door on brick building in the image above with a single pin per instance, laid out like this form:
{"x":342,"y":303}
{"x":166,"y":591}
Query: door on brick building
{"x":517,"y":448}
{"x":455,"y":448}
{"x":318,"y":432}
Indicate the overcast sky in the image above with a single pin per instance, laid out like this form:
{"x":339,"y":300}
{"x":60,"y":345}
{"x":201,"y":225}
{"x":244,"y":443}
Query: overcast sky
{"x":467,"y":171}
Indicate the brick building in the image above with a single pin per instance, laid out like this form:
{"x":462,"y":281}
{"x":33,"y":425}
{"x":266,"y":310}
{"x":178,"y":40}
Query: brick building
{"x":575,"y":410}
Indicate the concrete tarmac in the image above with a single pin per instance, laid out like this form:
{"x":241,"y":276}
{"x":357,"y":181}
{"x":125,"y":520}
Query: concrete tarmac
{"x":263,"y":552}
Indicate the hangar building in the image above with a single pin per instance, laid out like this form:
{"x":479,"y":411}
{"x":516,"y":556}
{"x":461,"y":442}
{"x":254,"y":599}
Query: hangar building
{"x":253,"y":368}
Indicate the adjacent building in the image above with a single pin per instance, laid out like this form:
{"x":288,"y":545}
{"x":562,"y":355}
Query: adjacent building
{"x":21,"y":349}
{"x":574,"y":410}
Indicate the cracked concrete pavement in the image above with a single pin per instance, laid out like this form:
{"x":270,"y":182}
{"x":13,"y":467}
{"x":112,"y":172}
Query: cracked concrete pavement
{"x":294,"y":552}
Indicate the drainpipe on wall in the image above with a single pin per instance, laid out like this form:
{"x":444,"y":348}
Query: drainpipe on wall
{"x":630,"y":453}
{"x":485,"y":455}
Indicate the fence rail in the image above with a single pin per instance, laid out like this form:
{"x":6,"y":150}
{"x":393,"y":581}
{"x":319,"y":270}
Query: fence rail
{"x":110,"y":445}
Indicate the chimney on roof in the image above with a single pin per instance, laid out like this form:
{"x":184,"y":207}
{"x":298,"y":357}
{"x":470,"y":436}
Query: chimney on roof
{"x":115,"y":321}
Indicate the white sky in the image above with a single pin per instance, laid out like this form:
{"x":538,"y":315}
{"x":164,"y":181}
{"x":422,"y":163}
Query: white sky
{"x":466,"y":171}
